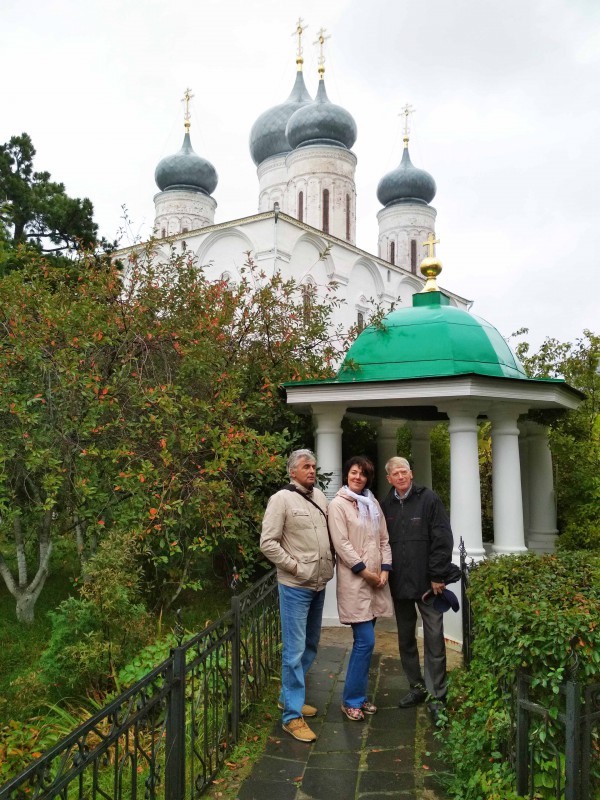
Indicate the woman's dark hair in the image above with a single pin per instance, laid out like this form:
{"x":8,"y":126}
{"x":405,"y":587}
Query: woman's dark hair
{"x":366,"y":466}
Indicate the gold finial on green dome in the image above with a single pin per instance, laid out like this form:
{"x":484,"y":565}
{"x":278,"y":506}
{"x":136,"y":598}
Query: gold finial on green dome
{"x":406,"y":113}
{"x":321,"y":39}
{"x":187,"y":96}
{"x":430,"y":266}
{"x":300,"y":28}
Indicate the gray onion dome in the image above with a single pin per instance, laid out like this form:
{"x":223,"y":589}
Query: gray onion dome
{"x":267,"y":137}
{"x":186,"y":170}
{"x":406,"y":184}
{"x":321,"y":122}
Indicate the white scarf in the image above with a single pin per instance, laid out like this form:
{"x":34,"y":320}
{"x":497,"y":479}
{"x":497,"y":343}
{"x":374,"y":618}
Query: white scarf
{"x":367,"y":505}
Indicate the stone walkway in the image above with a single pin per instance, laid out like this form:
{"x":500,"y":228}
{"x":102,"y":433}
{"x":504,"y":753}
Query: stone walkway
{"x":390,"y":755}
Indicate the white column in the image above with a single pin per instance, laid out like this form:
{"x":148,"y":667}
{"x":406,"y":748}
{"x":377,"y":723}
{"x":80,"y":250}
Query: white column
{"x":328,"y":446}
{"x":421,"y":451}
{"x":524,"y":461}
{"x":542,"y":503}
{"x":509,"y":536}
{"x":465,"y":494}
{"x":465,"y":489}
{"x":387,"y":447}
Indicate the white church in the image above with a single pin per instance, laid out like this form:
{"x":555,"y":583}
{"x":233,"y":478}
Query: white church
{"x":434,"y":361}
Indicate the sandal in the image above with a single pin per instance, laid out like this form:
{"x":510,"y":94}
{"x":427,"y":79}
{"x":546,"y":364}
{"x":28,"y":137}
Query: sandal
{"x":355,"y":714}
{"x":368,"y":708}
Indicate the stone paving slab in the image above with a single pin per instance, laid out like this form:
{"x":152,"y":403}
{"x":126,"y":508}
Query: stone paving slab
{"x":390,"y":755}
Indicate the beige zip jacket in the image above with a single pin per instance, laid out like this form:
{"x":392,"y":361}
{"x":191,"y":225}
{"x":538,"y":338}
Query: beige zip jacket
{"x":295,"y":538}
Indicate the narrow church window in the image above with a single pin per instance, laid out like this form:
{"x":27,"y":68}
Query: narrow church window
{"x":308,"y":293}
{"x":301,"y":206}
{"x":360,"y":321}
{"x":163,"y":233}
{"x":392,"y":252}
{"x":325,"y":210}
{"x":184,"y":230}
{"x":413,"y":256}
{"x":347,"y":217}
{"x":389,"y":275}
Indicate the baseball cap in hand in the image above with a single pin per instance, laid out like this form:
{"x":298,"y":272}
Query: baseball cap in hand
{"x":442,"y":602}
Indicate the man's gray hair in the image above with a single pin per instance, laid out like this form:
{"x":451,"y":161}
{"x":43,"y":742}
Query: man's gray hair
{"x":394,"y":463}
{"x":297,"y":456}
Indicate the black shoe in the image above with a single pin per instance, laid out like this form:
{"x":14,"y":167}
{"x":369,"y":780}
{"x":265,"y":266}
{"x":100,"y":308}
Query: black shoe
{"x":415,"y":696}
{"x":437,"y":709}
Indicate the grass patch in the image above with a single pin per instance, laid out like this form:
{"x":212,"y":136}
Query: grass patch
{"x":254,"y":735}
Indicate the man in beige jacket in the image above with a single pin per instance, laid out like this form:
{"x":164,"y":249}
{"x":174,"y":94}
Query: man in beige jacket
{"x":295,"y":538}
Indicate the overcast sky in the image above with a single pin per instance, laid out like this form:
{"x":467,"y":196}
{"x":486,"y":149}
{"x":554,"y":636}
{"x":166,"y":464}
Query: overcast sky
{"x":507,"y":99}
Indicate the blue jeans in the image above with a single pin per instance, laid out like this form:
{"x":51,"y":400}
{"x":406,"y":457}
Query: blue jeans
{"x":301,"y":613}
{"x":357,"y":675}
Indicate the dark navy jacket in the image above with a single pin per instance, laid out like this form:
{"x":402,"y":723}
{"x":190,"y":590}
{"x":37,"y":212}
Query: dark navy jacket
{"x":421,"y":541}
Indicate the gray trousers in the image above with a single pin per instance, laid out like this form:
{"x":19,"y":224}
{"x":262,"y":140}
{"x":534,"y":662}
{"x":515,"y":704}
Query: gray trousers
{"x":434,"y":645}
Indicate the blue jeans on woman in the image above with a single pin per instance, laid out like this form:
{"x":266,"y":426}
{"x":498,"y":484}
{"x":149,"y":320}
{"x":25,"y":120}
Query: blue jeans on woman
{"x":301,"y":612}
{"x":357,"y":674}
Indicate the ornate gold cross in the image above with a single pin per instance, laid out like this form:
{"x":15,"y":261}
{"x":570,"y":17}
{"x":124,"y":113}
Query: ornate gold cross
{"x":187,"y":96}
{"x":321,"y":39}
{"x":300,"y":28}
{"x":431,"y":243}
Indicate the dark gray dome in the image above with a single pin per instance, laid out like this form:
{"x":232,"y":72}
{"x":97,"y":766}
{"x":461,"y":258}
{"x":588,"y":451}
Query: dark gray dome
{"x":186,"y":170}
{"x":406,"y":184}
{"x":267,"y":137}
{"x":321,"y":122}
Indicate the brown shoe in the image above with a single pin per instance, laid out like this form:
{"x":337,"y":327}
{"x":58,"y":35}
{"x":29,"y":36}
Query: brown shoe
{"x":299,"y":730}
{"x":307,"y":711}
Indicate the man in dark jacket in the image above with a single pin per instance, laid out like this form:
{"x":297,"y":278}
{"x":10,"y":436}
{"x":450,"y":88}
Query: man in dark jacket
{"x":421,"y":542}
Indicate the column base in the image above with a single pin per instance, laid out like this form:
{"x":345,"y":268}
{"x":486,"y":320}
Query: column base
{"x":542,"y":541}
{"x":499,"y":550}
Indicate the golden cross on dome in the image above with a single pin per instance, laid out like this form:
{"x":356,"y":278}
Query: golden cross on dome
{"x":300,"y":28}
{"x":431,"y":243}
{"x":187,"y":96}
{"x":406,"y":112}
{"x":321,"y":39}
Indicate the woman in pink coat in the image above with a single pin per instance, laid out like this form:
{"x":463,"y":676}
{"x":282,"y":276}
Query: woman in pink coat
{"x":364,"y":558}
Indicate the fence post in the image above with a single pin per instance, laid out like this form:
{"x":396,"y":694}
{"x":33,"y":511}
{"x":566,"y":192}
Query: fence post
{"x":236,"y":669}
{"x":175,"y":732}
{"x":572,"y":740}
{"x":522,"y":737}
{"x":465,"y":605}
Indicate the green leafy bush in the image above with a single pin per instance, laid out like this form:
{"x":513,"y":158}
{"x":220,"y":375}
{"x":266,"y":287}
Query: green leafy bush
{"x":538,"y":614}
{"x":94,"y":634}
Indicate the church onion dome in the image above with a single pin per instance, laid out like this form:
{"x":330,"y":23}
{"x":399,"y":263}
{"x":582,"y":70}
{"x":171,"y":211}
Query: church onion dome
{"x":406,"y":184}
{"x":267,"y":137}
{"x":430,"y":340}
{"x":186,"y":170}
{"x":321,"y":122}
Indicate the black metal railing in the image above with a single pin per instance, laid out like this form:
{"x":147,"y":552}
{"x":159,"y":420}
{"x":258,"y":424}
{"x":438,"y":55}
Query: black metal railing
{"x":562,"y":754}
{"x":169,"y":734}
{"x":467,"y":564}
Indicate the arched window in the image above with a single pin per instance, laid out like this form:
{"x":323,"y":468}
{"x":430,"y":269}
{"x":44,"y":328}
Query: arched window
{"x":325,"y":210}
{"x":347,"y":217}
{"x":301,"y":206}
{"x":413,"y":256}
{"x":308,"y":296}
{"x":360,"y":321}
{"x":163,"y":233}
{"x":392,"y":252}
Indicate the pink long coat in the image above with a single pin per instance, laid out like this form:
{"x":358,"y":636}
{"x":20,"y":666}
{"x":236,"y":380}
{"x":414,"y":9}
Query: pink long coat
{"x":356,"y":541}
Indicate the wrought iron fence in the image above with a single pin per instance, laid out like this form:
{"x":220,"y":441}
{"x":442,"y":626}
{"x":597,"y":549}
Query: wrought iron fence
{"x":169,"y":734}
{"x":559,"y":753}
{"x":466,"y":566}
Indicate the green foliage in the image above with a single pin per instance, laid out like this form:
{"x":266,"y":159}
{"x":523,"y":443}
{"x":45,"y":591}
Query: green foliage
{"x":145,"y":660}
{"x":150,"y":404}
{"x":36,"y":212}
{"x":94,"y":634}
{"x":440,"y":462}
{"x":555,"y":636}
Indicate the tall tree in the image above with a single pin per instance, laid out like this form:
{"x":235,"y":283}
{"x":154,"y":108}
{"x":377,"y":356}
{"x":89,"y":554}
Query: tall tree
{"x":34,"y":210}
{"x":148,"y":405}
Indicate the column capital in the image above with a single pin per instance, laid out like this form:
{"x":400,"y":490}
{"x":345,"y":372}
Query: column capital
{"x":465,"y":407}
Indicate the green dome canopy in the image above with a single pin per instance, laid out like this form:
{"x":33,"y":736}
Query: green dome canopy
{"x":429,"y":340}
